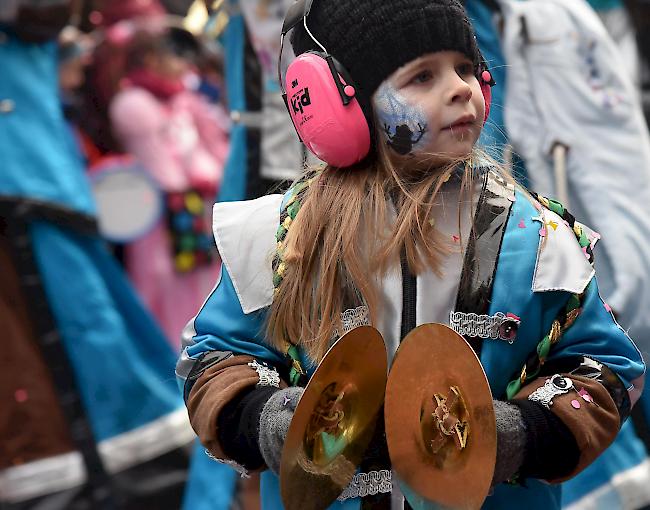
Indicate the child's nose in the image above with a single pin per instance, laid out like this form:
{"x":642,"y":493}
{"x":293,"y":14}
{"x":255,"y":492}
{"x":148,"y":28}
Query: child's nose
{"x":459,"y":91}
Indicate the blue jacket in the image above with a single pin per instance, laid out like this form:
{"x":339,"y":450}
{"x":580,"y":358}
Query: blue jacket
{"x":539,"y":265}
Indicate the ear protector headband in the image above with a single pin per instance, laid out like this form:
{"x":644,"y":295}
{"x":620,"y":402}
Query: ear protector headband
{"x":320,"y":97}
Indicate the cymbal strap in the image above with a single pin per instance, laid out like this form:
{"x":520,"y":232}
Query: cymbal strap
{"x":409,"y":298}
{"x":409,"y":318}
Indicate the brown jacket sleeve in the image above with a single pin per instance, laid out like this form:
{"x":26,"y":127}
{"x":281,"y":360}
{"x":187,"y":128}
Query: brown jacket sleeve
{"x":217,"y":386}
{"x":594,"y":424}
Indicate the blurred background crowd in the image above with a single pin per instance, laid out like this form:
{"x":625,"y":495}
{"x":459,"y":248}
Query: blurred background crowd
{"x":123,"y":121}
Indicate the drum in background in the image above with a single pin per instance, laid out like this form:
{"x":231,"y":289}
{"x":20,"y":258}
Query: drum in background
{"x":129,"y":201}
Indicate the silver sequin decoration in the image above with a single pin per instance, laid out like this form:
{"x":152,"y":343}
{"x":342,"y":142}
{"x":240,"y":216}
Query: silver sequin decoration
{"x":243,"y":472}
{"x":368,"y":484}
{"x":268,"y":376}
{"x":353,"y":318}
{"x":556,"y":385}
{"x":483,"y":326}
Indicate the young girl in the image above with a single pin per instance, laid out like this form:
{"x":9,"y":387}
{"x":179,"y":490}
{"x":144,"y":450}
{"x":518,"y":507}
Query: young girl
{"x":421,"y":230}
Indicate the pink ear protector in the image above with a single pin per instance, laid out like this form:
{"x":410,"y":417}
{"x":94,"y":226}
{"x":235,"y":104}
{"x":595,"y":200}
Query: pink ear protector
{"x":320,"y":98}
{"x":486,"y":81}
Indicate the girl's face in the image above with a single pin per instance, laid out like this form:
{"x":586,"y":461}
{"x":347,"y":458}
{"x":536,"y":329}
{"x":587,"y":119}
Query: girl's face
{"x":431,"y":106}
{"x":167,"y":64}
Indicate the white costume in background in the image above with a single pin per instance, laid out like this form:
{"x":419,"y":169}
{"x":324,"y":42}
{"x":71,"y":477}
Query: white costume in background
{"x":567,"y":83}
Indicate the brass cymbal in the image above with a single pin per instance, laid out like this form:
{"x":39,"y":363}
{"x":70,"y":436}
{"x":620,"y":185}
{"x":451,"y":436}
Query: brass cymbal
{"x":334,"y":421}
{"x":440,"y":423}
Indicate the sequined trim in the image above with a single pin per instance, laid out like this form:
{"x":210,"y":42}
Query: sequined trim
{"x":556,"y":385}
{"x":498,"y":326}
{"x":268,"y":376}
{"x":355,"y":317}
{"x":243,"y":472}
{"x":368,"y":484}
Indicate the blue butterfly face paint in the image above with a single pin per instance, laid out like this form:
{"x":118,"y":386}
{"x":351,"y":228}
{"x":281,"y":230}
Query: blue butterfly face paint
{"x":402,"y":124}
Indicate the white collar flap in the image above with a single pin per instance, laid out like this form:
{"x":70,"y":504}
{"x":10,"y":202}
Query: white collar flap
{"x":245,"y":236}
{"x":561,"y":263}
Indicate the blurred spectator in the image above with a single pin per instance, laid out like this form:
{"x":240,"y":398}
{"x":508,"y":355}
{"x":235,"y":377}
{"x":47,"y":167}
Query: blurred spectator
{"x":265,"y":152}
{"x":109,"y":12}
{"x":75,"y":54}
{"x":180,"y":140}
{"x":618,"y":23}
{"x":640,"y":16}
{"x":572,"y":113}
{"x":210,"y":76}
{"x":114,"y":22}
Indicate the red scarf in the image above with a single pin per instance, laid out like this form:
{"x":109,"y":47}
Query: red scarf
{"x":162,"y":88}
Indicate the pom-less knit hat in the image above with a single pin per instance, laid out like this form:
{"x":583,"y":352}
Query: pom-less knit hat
{"x":373,"y":38}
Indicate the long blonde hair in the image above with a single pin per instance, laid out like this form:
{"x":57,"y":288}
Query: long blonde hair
{"x":345,"y":237}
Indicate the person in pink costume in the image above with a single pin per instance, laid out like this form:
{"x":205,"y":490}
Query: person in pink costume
{"x":182,"y":142}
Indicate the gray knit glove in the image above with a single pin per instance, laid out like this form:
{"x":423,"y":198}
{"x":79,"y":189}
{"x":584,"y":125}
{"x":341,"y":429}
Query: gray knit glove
{"x":511,"y":441}
{"x":274,"y":425}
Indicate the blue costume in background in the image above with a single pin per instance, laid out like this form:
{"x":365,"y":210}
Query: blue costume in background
{"x":233,"y":186}
{"x":129,"y":429}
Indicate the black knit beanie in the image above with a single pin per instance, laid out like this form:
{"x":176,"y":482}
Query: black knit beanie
{"x":373,"y":38}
